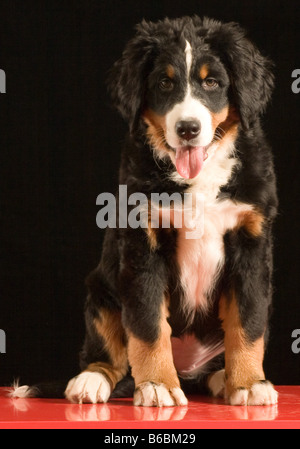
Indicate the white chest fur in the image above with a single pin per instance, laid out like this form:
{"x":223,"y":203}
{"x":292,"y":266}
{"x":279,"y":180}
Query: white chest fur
{"x":201,"y":260}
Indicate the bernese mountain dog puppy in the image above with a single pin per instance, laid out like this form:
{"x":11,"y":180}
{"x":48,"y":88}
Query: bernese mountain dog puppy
{"x":171,"y":311}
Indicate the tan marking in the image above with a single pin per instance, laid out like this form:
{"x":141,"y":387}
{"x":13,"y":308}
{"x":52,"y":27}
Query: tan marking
{"x":252,"y":221}
{"x":243,"y":359}
{"x":225,"y":124}
{"x":113,"y":375}
{"x":204,"y":71}
{"x":153,"y":362}
{"x":225,"y":119}
{"x":219,"y":117}
{"x":152,"y":237}
{"x":110,"y":329}
{"x":156,"y":130}
{"x":159,"y":229}
{"x":170,"y":71}
{"x":151,"y":232}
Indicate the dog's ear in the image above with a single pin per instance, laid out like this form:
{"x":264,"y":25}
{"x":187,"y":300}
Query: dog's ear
{"x":127,"y":78}
{"x":252,"y":80}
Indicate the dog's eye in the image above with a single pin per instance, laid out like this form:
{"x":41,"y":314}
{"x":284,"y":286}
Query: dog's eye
{"x":210,"y":84}
{"x":166,"y":84}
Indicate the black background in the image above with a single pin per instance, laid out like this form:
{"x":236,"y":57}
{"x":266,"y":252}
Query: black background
{"x":59,"y":148}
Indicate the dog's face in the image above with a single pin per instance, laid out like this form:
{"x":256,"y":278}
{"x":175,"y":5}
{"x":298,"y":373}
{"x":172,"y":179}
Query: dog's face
{"x":186,"y":101}
{"x":189,"y":81}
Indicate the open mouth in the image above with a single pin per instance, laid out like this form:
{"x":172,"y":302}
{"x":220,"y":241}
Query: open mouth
{"x":190,"y":157}
{"x":189,"y":160}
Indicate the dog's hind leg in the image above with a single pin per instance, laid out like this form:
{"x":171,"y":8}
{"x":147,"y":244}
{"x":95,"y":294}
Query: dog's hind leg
{"x":104,"y":358}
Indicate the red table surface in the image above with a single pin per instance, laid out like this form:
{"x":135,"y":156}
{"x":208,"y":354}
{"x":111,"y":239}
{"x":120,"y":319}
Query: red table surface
{"x":201,"y":413}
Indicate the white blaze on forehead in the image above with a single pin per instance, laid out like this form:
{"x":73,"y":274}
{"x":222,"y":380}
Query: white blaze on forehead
{"x":189,"y":108}
{"x":188,"y":57}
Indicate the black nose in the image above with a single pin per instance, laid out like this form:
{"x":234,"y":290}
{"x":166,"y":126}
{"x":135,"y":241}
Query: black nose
{"x":188,"y":129}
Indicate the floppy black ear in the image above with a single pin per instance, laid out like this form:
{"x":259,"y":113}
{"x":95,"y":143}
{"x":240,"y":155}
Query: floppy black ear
{"x":127,"y":78}
{"x":252,"y":81}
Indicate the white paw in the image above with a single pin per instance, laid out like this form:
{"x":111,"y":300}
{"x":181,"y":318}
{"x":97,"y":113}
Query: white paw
{"x":88,"y":387}
{"x":216,"y":383}
{"x":261,"y":393}
{"x":150,"y":394}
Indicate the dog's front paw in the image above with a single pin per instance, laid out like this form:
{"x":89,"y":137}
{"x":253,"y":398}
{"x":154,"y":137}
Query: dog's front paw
{"x":150,"y":394}
{"x":260,"y":393}
{"x":88,"y":387}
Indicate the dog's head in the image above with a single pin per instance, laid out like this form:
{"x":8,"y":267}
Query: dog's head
{"x":189,"y":80}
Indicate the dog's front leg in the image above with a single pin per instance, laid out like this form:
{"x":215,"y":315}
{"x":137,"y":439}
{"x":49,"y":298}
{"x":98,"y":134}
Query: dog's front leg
{"x":145,"y":314}
{"x":244,"y":310}
{"x":152,"y":365}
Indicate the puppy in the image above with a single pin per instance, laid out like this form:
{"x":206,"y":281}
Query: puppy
{"x":175,"y":310}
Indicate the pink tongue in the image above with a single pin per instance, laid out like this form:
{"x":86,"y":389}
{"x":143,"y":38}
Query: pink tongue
{"x":189,"y":161}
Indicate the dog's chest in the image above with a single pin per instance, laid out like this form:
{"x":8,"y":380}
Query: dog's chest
{"x":201,"y":259}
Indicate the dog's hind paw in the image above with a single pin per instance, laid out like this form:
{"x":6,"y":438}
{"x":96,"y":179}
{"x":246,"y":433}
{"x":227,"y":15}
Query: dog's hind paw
{"x":216,"y":383}
{"x":88,"y":387}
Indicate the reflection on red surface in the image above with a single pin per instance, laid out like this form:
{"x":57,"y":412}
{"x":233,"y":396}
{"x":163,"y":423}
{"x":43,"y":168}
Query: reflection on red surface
{"x":201,"y":412}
